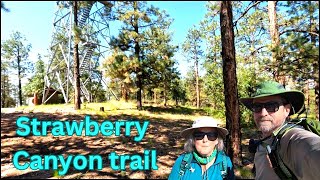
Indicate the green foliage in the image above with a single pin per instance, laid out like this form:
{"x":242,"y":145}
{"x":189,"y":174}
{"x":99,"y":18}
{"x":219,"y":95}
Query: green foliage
{"x":123,"y":173}
{"x":6,"y":89}
{"x":6,"y":96}
{"x":212,"y":79}
{"x":193,"y":52}
{"x":15,"y":51}
{"x":36,"y":82}
{"x":189,"y":83}
{"x":77,"y":34}
{"x":56,"y":172}
{"x":119,"y":69}
{"x":141,"y":51}
{"x":299,"y":40}
{"x":191,"y":47}
{"x":247,"y":80}
{"x":301,"y":55}
{"x":245,"y":173}
{"x":160,"y":67}
{"x":218,"y":113}
{"x":213,"y":84}
{"x":95,"y":88}
{"x":178,"y":92}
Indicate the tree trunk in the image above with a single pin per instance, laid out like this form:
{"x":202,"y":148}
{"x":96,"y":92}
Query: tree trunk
{"x":137,"y":53}
{"x":3,"y":95}
{"x":77,"y":102}
{"x":315,"y":64}
{"x":197,"y":81}
{"x":90,"y":82}
{"x":316,"y":90}
{"x":233,"y":143}
{"x":307,"y":94}
{"x":127,"y":96}
{"x":19,"y":79}
{"x":165,"y":94}
{"x":35,"y":98}
{"x":275,"y":42}
{"x":4,"y":85}
{"x":154,"y":96}
{"x":122,"y":92}
{"x":139,"y":85}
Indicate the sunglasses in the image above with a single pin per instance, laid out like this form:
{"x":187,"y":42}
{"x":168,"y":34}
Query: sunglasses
{"x":269,"y":106}
{"x":212,"y":136}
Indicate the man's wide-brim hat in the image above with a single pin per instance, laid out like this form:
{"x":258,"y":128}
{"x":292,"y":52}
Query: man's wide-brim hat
{"x":203,"y":122}
{"x":271,"y":88}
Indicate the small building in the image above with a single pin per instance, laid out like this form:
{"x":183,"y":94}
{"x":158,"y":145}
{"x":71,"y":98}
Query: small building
{"x":55,"y":96}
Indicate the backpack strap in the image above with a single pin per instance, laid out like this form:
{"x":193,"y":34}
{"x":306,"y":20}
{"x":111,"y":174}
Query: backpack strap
{"x":223,"y":166}
{"x":185,"y":164}
{"x":279,"y":167}
{"x":277,"y":163}
{"x":309,"y":125}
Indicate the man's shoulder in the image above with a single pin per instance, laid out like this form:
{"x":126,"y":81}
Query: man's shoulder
{"x":298,"y":145}
{"x":300,"y":132}
{"x":299,"y":138}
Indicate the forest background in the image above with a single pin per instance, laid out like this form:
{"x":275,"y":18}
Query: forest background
{"x":272,"y":41}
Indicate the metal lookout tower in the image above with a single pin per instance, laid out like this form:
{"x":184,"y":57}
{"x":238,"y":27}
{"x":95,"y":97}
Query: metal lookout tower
{"x":93,"y":47}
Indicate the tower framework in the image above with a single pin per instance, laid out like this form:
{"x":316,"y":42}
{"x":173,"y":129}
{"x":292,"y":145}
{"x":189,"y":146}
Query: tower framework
{"x":93,"y":46}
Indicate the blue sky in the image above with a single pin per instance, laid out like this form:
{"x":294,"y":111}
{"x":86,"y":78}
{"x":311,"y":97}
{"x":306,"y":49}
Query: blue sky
{"x":35,"y":21}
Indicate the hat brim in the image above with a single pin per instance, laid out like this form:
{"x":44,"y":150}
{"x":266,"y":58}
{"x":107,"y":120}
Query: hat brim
{"x":189,"y":131}
{"x":296,"y":98}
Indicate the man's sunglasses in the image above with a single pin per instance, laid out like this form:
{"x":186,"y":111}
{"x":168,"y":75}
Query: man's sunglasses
{"x":269,"y":106}
{"x":212,"y":136}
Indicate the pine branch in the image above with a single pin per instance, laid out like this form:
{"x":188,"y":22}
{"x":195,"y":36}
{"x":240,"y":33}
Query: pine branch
{"x":299,"y":30}
{"x":245,"y":12}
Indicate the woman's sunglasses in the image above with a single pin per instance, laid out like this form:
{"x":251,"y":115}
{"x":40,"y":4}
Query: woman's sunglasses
{"x":269,"y":106}
{"x":212,"y":136}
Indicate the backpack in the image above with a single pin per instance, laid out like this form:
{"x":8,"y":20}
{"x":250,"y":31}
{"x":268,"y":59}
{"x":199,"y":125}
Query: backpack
{"x":278,"y":165}
{"x":186,"y":164}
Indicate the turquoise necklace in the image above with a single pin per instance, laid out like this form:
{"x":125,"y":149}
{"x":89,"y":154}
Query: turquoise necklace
{"x":205,"y":160}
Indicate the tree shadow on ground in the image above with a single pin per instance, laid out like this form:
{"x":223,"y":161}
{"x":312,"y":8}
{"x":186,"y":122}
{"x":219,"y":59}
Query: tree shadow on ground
{"x":162,"y":135}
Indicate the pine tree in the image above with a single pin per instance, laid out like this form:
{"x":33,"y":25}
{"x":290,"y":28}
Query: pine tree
{"x":17,"y":53}
{"x":192,"y":48}
{"x":230,"y":82}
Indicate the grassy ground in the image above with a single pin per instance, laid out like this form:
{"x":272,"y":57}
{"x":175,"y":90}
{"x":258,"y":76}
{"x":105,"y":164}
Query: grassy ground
{"x":162,"y":135}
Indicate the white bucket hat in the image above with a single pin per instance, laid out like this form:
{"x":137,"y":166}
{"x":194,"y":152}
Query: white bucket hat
{"x":204,"y":122}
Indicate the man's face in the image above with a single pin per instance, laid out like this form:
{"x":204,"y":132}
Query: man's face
{"x":270,"y":113}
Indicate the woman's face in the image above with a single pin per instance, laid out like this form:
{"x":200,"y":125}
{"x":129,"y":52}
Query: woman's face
{"x":205,"y":143}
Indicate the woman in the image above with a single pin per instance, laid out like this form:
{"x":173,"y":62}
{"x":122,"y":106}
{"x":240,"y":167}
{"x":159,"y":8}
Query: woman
{"x":204,"y":157}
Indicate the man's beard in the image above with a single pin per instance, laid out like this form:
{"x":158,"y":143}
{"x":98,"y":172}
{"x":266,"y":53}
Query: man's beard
{"x":266,"y":126}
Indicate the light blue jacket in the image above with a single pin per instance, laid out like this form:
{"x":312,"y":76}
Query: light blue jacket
{"x":195,"y":171}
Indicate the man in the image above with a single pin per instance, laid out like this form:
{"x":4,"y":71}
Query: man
{"x":299,"y":149}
